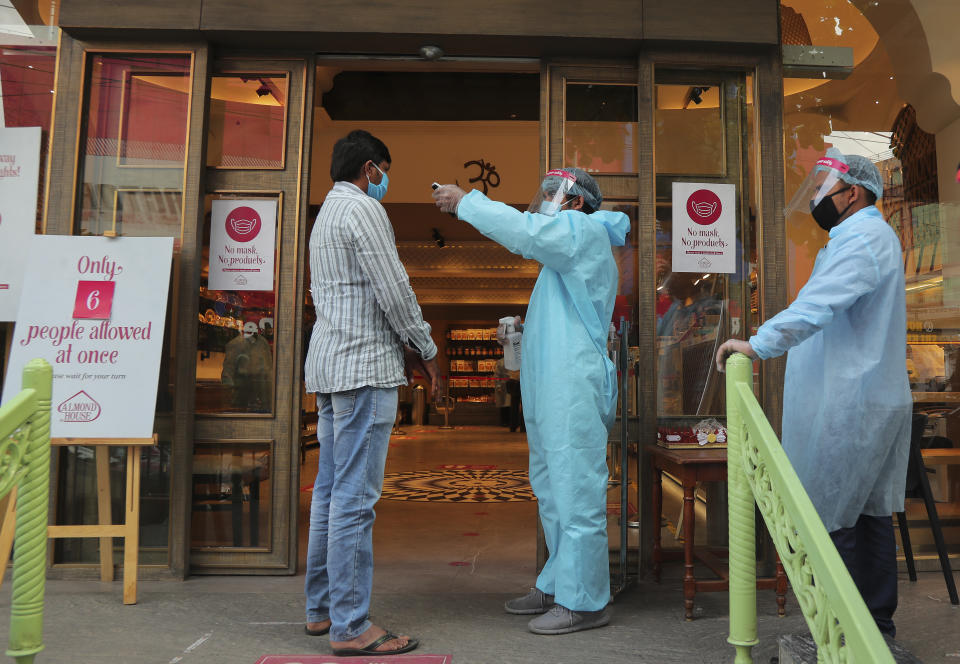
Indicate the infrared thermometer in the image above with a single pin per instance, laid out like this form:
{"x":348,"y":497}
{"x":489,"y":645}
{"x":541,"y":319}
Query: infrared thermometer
{"x":435,"y":186}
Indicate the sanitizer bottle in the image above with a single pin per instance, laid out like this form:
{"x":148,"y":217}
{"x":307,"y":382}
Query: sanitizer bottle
{"x":510,"y":338}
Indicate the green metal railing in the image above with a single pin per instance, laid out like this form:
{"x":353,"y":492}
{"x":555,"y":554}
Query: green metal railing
{"x":25,"y":464}
{"x":758,"y":472}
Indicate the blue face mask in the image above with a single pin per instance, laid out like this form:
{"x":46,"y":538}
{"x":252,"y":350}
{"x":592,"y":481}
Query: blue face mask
{"x":551,"y":208}
{"x":378,"y":191}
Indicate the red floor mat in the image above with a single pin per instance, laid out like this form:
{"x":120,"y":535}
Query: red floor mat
{"x":411,"y":658}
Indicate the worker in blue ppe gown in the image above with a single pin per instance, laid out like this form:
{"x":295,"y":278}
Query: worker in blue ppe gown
{"x":846,"y":399}
{"x":568,"y":383}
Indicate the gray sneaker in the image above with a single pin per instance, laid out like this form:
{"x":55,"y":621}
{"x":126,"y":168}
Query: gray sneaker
{"x":561,"y":620}
{"x":535,"y":601}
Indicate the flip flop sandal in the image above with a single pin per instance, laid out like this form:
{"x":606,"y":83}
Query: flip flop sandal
{"x":316,"y":632}
{"x":371,"y":648}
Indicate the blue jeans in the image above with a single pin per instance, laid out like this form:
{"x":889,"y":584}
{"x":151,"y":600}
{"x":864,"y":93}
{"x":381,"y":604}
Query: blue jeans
{"x":353,"y":429}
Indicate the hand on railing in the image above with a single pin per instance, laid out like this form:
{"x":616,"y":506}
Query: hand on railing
{"x":731,"y":346}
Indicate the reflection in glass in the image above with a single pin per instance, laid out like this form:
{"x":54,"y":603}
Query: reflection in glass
{"x":147,"y":213}
{"x":145,"y":97}
{"x":247,"y":113}
{"x":690,"y":312}
{"x":600,"y":128}
{"x":689,"y":130}
{"x":235,"y":367}
{"x":248,"y":368}
{"x":231,"y":495}
{"x":131,"y":176}
{"x":26,"y":95}
{"x":626,"y":258}
{"x":76,"y":502}
{"x":136,"y":135}
{"x":881,"y":110}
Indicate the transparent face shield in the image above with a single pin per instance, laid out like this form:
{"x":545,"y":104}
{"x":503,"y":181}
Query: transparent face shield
{"x":817,"y":185}
{"x":553,"y":192}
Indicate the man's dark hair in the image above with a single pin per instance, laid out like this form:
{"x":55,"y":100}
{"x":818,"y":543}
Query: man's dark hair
{"x":870,"y":197}
{"x":352,"y":151}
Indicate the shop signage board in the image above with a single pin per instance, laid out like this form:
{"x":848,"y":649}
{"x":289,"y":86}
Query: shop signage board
{"x":704,"y":227}
{"x":19,"y":178}
{"x":243,"y":237}
{"x":94,"y":308}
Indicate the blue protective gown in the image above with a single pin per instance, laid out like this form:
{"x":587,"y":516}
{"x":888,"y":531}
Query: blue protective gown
{"x":846,"y":399}
{"x":569,"y":384}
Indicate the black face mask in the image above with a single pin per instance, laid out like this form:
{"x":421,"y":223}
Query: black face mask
{"x":825,"y":212}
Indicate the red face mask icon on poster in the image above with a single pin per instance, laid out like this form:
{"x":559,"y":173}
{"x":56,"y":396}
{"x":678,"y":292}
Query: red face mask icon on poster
{"x":243,"y":224}
{"x":703,"y":207}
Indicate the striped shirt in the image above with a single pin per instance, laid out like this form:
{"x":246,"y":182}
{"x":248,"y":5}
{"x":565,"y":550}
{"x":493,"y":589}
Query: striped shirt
{"x":365,"y":305}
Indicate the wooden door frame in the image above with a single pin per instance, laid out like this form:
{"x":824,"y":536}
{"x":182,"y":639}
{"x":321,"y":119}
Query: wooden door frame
{"x":59,"y":219}
{"x":765,"y":66}
{"x":283,"y":426}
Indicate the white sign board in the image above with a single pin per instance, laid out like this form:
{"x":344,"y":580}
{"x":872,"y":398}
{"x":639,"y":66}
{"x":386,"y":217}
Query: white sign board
{"x":704,"y":227}
{"x":242,"y":244}
{"x":94,"y":308}
{"x":19,"y":177}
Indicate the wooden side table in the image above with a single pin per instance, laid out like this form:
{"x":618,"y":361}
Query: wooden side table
{"x":691,"y":467}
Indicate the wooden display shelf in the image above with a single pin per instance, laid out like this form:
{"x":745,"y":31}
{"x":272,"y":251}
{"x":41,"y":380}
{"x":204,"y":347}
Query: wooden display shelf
{"x":936,"y":397}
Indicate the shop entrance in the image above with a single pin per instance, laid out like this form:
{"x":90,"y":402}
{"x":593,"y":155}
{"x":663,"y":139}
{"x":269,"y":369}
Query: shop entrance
{"x":456,"y":497}
{"x":456,"y":510}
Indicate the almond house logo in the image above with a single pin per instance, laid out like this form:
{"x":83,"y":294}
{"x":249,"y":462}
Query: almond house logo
{"x":81,"y":407}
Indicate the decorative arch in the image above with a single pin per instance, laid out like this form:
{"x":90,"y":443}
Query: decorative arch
{"x":924,"y":73}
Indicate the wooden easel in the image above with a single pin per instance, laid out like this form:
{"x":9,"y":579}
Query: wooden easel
{"x":129,"y":530}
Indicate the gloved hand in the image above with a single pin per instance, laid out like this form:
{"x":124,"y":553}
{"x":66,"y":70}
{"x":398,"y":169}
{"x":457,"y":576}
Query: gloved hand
{"x":448,"y":197}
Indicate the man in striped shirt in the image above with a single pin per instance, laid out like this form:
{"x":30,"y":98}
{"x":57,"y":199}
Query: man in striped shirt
{"x":368,"y":338}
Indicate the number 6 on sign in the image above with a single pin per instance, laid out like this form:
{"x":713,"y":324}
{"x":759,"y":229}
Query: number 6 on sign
{"x":94,"y":299}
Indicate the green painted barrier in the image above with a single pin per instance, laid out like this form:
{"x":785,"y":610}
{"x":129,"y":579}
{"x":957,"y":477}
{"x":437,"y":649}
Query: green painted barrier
{"x":25,"y":464}
{"x":758,"y":472}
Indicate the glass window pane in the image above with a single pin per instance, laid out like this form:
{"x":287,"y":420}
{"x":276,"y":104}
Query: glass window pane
{"x":235,"y":359}
{"x":153,"y":116}
{"x":231,"y":495}
{"x":26,"y":98}
{"x":627,"y":306}
{"x":77,"y":498}
{"x":689,"y":130}
{"x":133,"y":150}
{"x":247,"y":121}
{"x":148,"y":212}
{"x":695,"y":311}
{"x":600,"y":128}
{"x":131,"y":167}
{"x":875,"y":102}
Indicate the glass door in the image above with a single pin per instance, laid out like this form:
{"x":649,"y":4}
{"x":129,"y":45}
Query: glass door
{"x":593,"y":125}
{"x":641,"y":131}
{"x":704,"y":274}
{"x":702,"y":271}
{"x":245,"y":448}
